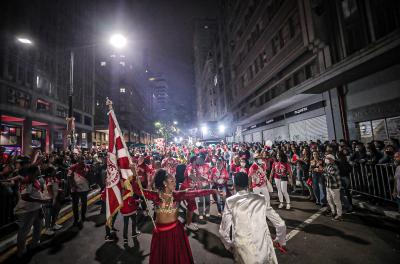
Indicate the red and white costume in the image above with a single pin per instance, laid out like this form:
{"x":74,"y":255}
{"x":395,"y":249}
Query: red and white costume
{"x":169,"y":164}
{"x":219,"y":177}
{"x":259,"y":181}
{"x":144,"y":172}
{"x":280,"y":172}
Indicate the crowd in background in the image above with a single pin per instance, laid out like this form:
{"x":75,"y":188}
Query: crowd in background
{"x":37,"y":186}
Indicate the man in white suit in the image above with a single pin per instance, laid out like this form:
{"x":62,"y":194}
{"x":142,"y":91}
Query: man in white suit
{"x":246,"y":214}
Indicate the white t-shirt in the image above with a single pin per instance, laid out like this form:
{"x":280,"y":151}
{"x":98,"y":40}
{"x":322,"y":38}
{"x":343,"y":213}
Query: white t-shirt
{"x":25,"y":206}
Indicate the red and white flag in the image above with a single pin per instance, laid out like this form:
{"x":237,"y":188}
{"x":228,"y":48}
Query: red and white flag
{"x":118,"y":168}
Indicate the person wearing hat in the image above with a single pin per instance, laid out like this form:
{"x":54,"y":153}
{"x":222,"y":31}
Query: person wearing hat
{"x":333,"y":184}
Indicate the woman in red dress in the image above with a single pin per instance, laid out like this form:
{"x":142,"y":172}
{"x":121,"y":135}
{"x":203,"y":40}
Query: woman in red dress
{"x":169,"y":244}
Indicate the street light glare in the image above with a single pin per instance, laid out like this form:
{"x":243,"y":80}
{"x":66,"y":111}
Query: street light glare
{"x":221,"y":128}
{"x":25,"y":41}
{"x":204,"y":129}
{"x":118,"y":41}
{"x":175,"y":122}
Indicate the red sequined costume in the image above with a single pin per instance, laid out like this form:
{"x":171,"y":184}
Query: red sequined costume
{"x":169,"y":243}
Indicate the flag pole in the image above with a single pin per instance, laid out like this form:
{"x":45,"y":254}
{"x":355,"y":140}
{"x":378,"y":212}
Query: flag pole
{"x":133,"y":169}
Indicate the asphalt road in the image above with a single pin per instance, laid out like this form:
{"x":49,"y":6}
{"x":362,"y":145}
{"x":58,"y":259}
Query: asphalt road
{"x":361,"y":238}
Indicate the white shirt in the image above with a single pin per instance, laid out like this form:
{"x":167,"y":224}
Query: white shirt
{"x":251,"y":240}
{"x":25,"y":206}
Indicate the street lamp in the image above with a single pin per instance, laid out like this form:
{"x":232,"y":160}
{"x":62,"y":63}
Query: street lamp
{"x":118,"y":41}
{"x":221,"y":128}
{"x":25,"y":41}
{"x":175,"y":122}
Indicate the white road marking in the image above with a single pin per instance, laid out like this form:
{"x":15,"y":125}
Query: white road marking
{"x":300,"y":227}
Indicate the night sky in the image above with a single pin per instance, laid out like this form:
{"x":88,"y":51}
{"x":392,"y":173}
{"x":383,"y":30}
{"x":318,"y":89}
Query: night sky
{"x":165,"y":29}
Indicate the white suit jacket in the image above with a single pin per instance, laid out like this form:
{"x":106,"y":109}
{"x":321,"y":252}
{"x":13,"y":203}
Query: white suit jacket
{"x":251,"y":241}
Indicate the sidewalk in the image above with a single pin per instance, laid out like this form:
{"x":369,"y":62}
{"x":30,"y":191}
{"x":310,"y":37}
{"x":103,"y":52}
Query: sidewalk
{"x":66,"y":212}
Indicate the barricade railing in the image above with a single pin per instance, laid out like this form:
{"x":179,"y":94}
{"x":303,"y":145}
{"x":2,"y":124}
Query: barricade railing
{"x":375,"y":180}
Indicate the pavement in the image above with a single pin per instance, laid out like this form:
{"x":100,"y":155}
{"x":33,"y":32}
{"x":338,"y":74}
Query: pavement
{"x":363,"y":237}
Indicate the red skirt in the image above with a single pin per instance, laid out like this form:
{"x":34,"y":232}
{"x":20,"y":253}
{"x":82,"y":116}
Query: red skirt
{"x":170,"y":245}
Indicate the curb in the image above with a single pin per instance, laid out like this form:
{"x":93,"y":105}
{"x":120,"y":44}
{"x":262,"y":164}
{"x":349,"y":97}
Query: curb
{"x":12,"y":240}
{"x":376,"y":209}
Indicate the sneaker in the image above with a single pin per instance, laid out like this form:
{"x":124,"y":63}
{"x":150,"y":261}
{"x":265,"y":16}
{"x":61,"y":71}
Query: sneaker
{"x":108,"y":239}
{"x":288,"y":206}
{"x":280,"y":206}
{"x":201,"y":217}
{"x":48,"y":232}
{"x":337,"y":218}
{"x":192,"y":227}
{"x":57,"y":227}
{"x":207,"y":215}
{"x":138,"y":233}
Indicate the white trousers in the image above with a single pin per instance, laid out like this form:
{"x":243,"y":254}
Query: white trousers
{"x":333,"y":197}
{"x":264,"y":191}
{"x":282,"y":190}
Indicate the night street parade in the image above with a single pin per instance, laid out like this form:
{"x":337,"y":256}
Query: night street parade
{"x":212,"y":131}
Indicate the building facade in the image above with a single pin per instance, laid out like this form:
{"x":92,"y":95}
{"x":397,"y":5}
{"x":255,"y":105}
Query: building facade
{"x":34,"y":78}
{"x":307,"y":70}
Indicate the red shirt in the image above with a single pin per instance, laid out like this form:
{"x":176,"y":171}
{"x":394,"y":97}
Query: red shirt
{"x":219,"y":177}
{"x":201,"y":174}
{"x":130,"y":205}
{"x":143,"y":172}
{"x":257,"y":174}
{"x":241,"y":169}
{"x":169,"y":164}
{"x":281,"y":170}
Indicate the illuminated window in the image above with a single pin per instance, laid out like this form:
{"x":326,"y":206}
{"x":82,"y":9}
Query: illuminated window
{"x":103,"y":63}
{"x":122,"y":90}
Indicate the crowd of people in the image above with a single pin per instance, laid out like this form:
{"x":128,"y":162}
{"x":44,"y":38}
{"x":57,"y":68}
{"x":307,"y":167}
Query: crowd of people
{"x":195,"y":176}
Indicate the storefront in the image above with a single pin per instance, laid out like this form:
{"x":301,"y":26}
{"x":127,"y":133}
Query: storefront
{"x":302,"y":124}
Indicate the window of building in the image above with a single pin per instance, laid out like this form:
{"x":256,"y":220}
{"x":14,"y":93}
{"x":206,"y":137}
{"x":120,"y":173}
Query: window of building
{"x":122,"y":90}
{"x":42,"y":106}
{"x":61,"y":111}
{"x":78,"y":117}
{"x":385,"y":16}
{"x":88,"y":120}
{"x":103,"y":63}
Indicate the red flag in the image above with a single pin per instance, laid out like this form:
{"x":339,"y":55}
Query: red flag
{"x":118,"y":168}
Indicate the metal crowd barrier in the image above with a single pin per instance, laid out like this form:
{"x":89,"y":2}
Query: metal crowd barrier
{"x":375,"y":180}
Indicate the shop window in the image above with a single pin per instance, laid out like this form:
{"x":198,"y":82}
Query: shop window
{"x":393,"y":127}
{"x":366,"y":131}
{"x":379,"y":129}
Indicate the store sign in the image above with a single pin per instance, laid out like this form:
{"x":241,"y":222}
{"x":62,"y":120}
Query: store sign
{"x":305,"y":109}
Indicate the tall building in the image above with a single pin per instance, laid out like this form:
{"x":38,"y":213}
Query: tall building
{"x":161,"y":107}
{"x":204,"y":68}
{"x":34,"y":78}
{"x":307,"y":70}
